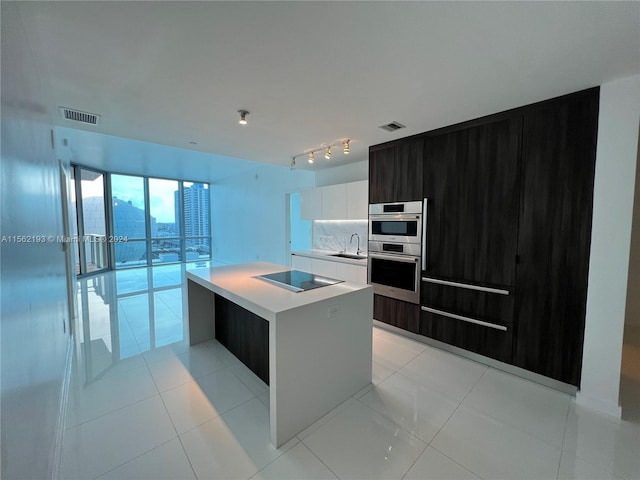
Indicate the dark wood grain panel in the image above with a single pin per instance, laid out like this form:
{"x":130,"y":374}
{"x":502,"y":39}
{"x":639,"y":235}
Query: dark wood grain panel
{"x":394,"y":312}
{"x":471,"y":179}
{"x":484,"y":306}
{"x":475,"y":338}
{"x":558,"y":162}
{"x":395,"y":172}
{"x":244,"y":334}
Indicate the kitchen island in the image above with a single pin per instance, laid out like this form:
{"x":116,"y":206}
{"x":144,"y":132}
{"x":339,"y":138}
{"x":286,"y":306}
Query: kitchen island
{"x":318,"y":345}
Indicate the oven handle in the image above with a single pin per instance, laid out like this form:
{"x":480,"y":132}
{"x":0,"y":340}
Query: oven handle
{"x":393,"y":216}
{"x":424,"y":233}
{"x":394,"y":258}
{"x":463,"y":318}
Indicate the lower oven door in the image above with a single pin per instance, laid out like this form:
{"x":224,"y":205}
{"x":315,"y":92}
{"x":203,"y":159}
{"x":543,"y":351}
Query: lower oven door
{"x":395,"y":276}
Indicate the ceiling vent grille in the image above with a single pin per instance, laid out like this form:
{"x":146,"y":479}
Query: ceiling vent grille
{"x":78,"y":116}
{"x":392,"y":127}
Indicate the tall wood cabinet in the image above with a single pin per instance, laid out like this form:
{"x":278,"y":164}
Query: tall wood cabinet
{"x":471,"y":187}
{"x":395,"y":171}
{"x":508,"y":230}
{"x":558,"y":164}
{"x":471,"y":177}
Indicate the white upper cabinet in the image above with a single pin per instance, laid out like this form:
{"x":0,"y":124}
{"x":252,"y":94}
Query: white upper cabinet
{"x":311,"y":204}
{"x":358,"y":200}
{"x":345,"y":201}
{"x":334,"y":202}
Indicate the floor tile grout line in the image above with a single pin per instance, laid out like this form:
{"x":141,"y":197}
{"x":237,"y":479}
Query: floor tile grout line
{"x":255,"y":397}
{"x":564,"y":434}
{"x":178,"y":435}
{"x":515,"y":427}
{"x":133,"y":459}
{"x":451,"y":416}
{"x":319,"y":459}
{"x":195,"y":475}
{"x":598,"y":466}
{"x":458,"y":463}
{"x":112,"y":412}
{"x":391,"y":421}
{"x":415,"y":461}
{"x":394,"y":370}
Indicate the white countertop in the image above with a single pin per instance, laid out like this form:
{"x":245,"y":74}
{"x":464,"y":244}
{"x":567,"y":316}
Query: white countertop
{"x":327,"y":255}
{"x":236,"y":283}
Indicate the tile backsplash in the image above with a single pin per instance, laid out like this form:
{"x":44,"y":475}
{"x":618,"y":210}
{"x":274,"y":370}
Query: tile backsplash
{"x":334,"y":235}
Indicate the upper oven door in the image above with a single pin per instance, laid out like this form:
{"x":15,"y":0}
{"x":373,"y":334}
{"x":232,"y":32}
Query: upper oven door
{"x":396,"y":228}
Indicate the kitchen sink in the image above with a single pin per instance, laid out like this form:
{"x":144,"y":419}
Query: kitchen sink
{"x":349,"y":255}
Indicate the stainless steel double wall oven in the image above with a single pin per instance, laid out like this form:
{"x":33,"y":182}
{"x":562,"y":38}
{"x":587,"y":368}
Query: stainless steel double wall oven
{"x":396,"y":248}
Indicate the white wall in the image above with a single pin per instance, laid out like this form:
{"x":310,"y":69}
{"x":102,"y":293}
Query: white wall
{"x":249,"y":214}
{"x":633,"y":287}
{"x":351,"y":172}
{"x":32,"y":275}
{"x":614,"y":185}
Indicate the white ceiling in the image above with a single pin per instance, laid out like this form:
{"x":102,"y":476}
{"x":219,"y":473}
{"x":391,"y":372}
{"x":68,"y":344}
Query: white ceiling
{"x":315,"y":72}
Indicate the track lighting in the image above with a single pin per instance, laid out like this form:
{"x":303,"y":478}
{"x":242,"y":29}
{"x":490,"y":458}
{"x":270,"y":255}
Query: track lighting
{"x":310,"y":152}
{"x":243,"y":117}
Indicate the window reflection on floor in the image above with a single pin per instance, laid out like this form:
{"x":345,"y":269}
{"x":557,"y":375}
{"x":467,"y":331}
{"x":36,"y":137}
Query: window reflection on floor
{"x":125,"y":313}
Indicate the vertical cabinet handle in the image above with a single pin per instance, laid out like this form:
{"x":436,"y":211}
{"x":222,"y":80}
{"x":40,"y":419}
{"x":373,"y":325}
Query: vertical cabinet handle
{"x":424,"y":233}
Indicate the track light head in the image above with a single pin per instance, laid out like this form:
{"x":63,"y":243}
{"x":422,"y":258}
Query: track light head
{"x":327,"y":155}
{"x":293,"y":162}
{"x":243,"y":117}
{"x":311,"y":157}
{"x":345,"y":147}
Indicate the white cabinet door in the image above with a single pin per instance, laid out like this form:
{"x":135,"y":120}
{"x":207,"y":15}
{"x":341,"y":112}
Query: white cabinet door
{"x":352,"y":273}
{"x":334,"y":202}
{"x":324,"y":268}
{"x":311,"y":204}
{"x":299,"y":262}
{"x":358,"y":200}
{"x":362,"y":275}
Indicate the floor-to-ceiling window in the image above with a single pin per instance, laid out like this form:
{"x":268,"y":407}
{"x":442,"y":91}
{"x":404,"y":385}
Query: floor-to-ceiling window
{"x":88,"y":197}
{"x":129,"y":220}
{"x":159,"y":220}
{"x":197,"y":228}
{"x":164,"y":201}
{"x":146,"y":221}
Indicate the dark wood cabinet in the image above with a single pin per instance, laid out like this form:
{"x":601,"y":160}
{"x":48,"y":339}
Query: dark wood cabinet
{"x":510,"y":200}
{"x":471,"y":178}
{"x":394,"y":312}
{"x":471,"y":183}
{"x":244,"y":334}
{"x":479,"y":321}
{"x":395,"y":171}
{"x":558,"y":164}
{"x":479,"y":339}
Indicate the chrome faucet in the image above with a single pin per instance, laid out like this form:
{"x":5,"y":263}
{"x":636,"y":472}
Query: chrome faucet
{"x":358,"y":251}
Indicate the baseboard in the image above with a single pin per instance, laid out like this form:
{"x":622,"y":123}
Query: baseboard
{"x":613,"y":410}
{"x":505,"y":367}
{"x":62,"y":412}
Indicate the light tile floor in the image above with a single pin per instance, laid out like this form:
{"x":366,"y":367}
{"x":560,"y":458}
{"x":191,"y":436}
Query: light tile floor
{"x":145,"y":405}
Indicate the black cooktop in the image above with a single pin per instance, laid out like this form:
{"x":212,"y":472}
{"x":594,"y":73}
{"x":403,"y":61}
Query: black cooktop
{"x":298,"y":281}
